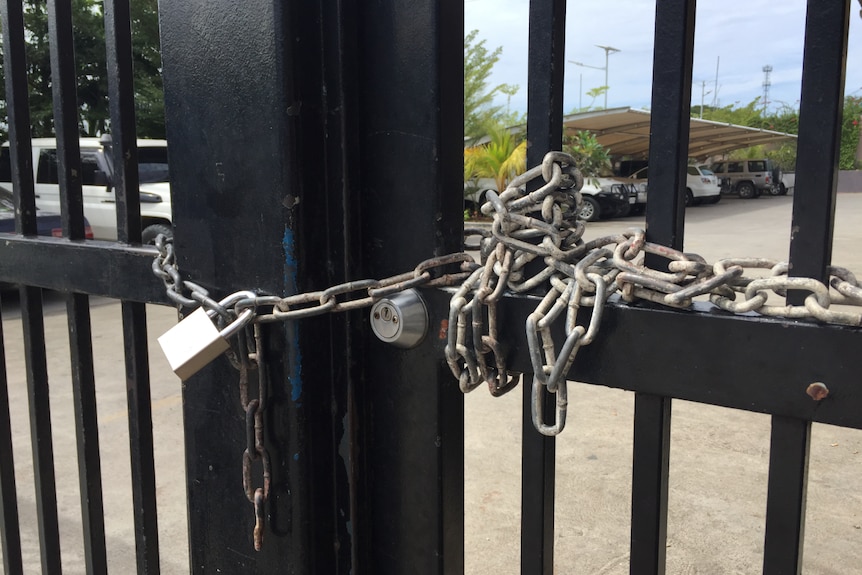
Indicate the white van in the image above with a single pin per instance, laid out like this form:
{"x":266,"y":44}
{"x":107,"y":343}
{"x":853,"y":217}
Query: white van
{"x":97,"y":187}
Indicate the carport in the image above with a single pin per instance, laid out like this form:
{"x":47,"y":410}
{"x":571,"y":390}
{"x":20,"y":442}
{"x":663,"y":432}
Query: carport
{"x":626,"y":132}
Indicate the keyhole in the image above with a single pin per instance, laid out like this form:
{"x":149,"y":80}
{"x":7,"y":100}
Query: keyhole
{"x":386,"y":313}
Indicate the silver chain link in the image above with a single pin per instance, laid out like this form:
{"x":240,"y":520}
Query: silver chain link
{"x":539,"y":227}
{"x":247,"y":352}
{"x":536,"y":244}
{"x":352,"y":295}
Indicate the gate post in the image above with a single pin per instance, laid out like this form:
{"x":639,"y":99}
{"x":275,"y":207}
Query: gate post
{"x":411,"y":97}
{"x":230,"y":139}
{"x":313,"y":143}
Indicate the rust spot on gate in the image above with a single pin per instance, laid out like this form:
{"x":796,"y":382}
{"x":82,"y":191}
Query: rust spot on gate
{"x":444,"y":329}
{"x":817,"y":391}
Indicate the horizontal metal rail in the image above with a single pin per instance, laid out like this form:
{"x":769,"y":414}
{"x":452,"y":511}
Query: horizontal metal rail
{"x":639,"y":349}
{"x":93,"y":267}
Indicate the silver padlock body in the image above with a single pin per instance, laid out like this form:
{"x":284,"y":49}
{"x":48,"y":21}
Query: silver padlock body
{"x":401,"y":320}
{"x":192,"y":344}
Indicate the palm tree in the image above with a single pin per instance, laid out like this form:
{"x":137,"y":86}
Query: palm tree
{"x":501,"y":159}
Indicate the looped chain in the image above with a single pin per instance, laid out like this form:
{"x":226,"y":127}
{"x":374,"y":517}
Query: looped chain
{"x":535,"y":243}
{"x":529,"y":228}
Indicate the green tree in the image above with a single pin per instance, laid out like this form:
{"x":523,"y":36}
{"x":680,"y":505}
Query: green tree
{"x":88,"y":28}
{"x":591,"y":157}
{"x":592,"y":93}
{"x":747,"y":115}
{"x":479,"y":108}
{"x":510,"y":118}
{"x":850,"y":134}
{"x":147,"y":57}
{"x":786,"y":119}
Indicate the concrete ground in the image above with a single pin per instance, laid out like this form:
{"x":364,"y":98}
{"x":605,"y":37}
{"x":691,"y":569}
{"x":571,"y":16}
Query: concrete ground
{"x":719,"y":457}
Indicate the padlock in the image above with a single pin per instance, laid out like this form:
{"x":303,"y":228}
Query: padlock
{"x":196,"y":341}
{"x":401,"y":320}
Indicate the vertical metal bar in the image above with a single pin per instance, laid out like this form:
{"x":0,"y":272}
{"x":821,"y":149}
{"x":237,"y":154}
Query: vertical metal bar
{"x":334,"y":413}
{"x":10,"y":533}
{"x":411,"y":88}
{"x":670,"y":121}
{"x":449,"y":83}
{"x":545,"y":133}
{"x":121,"y":93}
{"x":18,"y":116}
{"x":538,"y":486}
{"x":18,"y":119}
{"x":651,"y":457}
{"x":820,"y":112}
{"x":36,"y":363}
{"x":821,"y":107}
{"x":668,"y":155}
{"x":63,"y":83}
{"x":141,"y":437}
{"x":124,"y":151}
{"x":786,"y":496}
{"x":87,"y":432}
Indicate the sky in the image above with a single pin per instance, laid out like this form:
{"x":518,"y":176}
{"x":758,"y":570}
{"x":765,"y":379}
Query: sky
{"x":739,"y":38}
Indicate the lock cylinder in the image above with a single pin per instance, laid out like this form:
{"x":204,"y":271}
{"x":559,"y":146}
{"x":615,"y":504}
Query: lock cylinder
{"x":401,"y":320}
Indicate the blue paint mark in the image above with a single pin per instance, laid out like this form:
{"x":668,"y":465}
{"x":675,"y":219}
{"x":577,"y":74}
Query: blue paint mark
{"x":289,"y":259}
{"x":290,"y":268}
{"x":296,"y":368}
{"x":296,"y":456}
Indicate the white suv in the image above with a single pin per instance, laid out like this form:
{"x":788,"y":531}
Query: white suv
{"x":96,"y":179}
{"x":701,"y":185}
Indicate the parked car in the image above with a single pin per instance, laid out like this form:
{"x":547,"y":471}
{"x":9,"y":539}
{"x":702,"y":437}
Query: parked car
{"x":47,"y":223}
{"x":701,"y":185}
{"x":788,"y":182}
{"x":606,"y":198}
{"x":97,"y":184}
{"x":749,"y":178}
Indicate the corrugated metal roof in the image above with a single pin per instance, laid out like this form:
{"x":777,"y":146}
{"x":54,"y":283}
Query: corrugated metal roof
{"x":625,"y":132}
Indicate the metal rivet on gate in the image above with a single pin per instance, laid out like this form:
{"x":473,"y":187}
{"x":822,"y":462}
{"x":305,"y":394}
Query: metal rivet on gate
{"x":817,"y":391}
{"x":400,"y":319}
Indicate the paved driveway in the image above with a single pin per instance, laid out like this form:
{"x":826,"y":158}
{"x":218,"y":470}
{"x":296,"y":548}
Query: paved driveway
{"x":719,"y":457}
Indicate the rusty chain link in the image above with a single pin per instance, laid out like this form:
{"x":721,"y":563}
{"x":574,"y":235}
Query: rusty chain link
{"x":247,"y":352}
{"x":255,"y":450}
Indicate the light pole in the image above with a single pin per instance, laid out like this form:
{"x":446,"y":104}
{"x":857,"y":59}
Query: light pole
{"x":608,"y":51}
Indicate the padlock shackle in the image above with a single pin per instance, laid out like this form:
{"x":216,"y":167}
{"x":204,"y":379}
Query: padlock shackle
{"x":243,"y":318}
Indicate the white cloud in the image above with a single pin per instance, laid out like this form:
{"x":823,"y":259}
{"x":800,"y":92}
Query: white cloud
{"x":742,"y":37}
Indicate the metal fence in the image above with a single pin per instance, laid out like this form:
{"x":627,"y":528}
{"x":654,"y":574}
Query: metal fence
{"x":317,"y":143}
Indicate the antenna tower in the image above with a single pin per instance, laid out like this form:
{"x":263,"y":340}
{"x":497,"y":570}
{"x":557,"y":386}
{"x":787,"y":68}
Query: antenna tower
{"x":767,"y":70}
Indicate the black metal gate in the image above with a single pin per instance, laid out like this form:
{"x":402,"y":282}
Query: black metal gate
{"x":316,"y":143}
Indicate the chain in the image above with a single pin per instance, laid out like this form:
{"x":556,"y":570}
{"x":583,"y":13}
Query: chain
{"x":254,"y":360}
{"x":536,"y":243}
{"x":352,"y":295}
{"x":247,"y":352}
